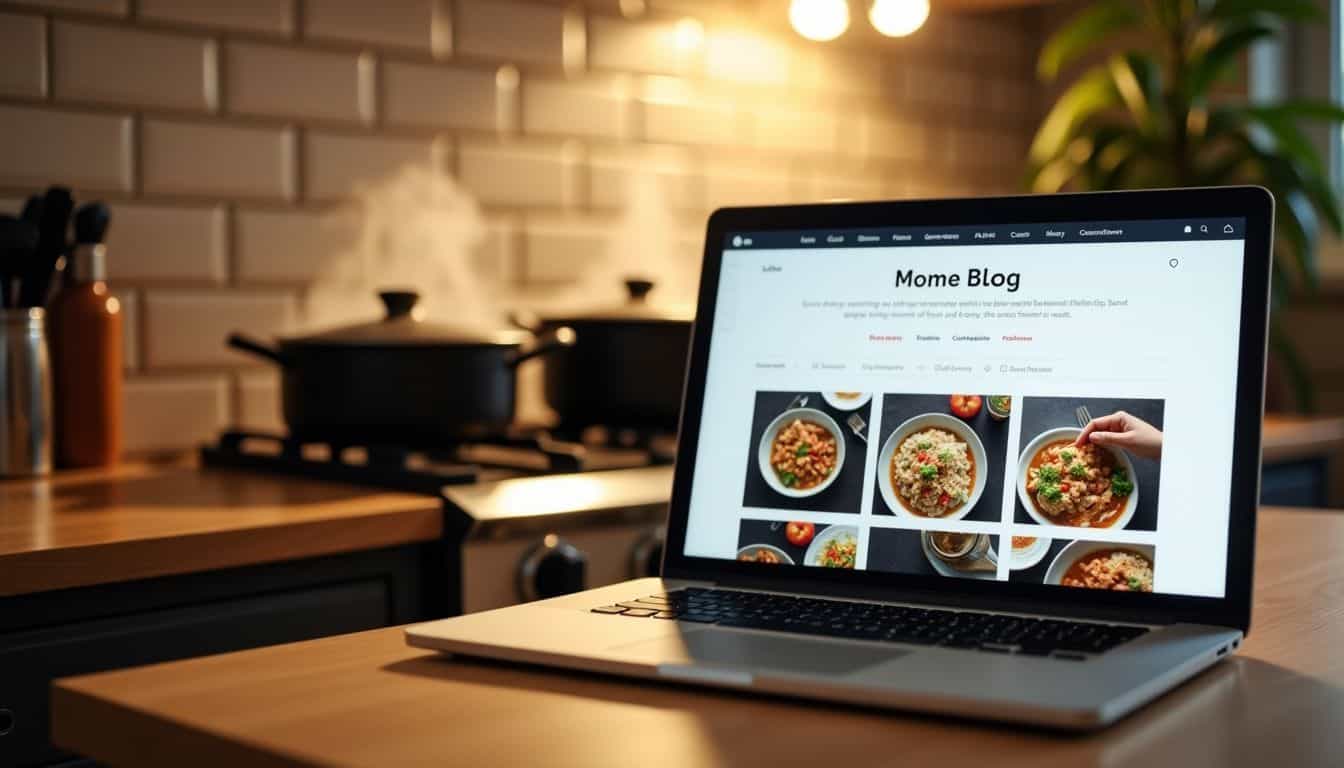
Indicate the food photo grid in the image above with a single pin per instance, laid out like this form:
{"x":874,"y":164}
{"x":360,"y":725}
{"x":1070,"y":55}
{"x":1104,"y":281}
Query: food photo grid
{"x":1081,"y":563}
{"x":798,"y":543}
{"x":942,"y":457}
{"x":807,"y":451}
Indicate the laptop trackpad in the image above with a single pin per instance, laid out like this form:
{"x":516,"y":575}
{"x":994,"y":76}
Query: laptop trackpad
{"x":744,"y":650}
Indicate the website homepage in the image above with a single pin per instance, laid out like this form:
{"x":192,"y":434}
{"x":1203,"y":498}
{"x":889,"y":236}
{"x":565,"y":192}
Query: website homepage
{"x":1037,"y":403}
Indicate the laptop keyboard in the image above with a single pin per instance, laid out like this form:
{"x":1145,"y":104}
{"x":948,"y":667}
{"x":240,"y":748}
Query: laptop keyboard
{"x":989,"y":632}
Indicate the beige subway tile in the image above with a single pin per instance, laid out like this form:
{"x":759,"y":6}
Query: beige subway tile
{"x":556,"y":252}
{"x":497,"y":258}
{"x":660,"y":178}
{"x":189,"y":328}
{"x":173,"y":413}
{"x":682,"y":118}
{"x":808,"y":131}
{"x":519,"y":173}
{"x":285,"y":82}
{"x":597,"y":109}
{"x":102,"y":7}
{"x":336,"y":164}
{"x":161,"y":242}
{"x":259,"y":402}
{"x":401,"y":23}
{"x":892,"y":138}
{"x":288,"y":246}
{"x":127,"y":66}
{"x":510,"y":31}
{"x":673,"y":46}
{"x":733,"y":187}
{"x":941,"y":86}
{"x":130,"y":326}
{"x":23,"y":55}
{"x":749,"y":56}
{"x":42,"y":146}
{"x":846,"y":72}
{"x":216,"y":159}
{"x":435,"y":96}
{"x":266,"y":16}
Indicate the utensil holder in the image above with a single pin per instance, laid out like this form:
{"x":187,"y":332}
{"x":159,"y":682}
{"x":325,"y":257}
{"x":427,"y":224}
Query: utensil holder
{"x":25,"y":393}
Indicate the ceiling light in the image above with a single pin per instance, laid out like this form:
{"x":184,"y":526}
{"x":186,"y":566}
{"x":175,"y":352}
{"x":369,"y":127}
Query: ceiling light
{"x":689,"y":34}
{"x":819,"y":19}
{"x":898,"y":18}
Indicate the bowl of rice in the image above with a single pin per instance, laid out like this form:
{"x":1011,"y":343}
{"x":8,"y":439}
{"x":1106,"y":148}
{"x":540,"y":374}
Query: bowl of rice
{"x":932,"y":466}
{"x":1103,"y":565}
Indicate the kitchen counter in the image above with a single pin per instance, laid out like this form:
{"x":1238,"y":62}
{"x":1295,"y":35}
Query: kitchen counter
{"x":368,"y":699}
{"x":137,"y":521}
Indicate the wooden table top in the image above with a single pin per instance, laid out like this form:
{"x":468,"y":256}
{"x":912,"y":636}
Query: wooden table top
{"x":369,"y":700}
{"x":136,"y":521}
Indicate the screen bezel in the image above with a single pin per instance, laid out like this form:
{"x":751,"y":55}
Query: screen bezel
{"x":1254,"y":204}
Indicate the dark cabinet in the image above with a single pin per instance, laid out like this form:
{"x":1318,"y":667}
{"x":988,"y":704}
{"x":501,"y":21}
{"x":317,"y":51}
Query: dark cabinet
{"x":72,"y":632}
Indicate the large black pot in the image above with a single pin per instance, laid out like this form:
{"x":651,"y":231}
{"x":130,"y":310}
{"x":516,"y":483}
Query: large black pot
{"x":626,"y":367}
{"x":401,"y":381}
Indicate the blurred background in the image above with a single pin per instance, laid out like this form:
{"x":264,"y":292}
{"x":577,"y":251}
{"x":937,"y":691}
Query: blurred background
{"x":269,"y":163}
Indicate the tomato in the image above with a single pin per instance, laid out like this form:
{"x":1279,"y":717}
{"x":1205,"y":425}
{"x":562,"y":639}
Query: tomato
{"x":800,"y":534}
{"x":943,"y":499}
{"x":966,"y":406}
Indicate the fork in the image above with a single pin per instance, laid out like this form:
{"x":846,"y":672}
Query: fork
{"x":857,"y":425}
{"x":1083,"y":415}
{"x":798,"y":402}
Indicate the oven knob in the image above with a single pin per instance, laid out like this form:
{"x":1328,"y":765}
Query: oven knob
{"x":646,"y":556}
{"x":550,"y":569}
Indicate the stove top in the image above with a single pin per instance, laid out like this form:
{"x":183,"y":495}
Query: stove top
{"x":521,"y":453}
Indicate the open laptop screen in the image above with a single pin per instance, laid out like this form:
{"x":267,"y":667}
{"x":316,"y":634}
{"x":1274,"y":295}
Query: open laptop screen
{"x":912,"y":400}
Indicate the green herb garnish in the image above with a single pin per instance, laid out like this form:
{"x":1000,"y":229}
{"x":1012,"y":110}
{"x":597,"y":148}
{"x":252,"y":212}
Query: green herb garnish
{"x":1066,"y":456}
{"x":803,"y":450}
{"x":1051,"y":492}
{"x":924,"y":445}
{"x":1134,"y":584}
{"x":945,"y":457}
{"x":928,"y":471}
{"x":1077,"y":471}
{"x":1047,"y":474}
{"x":1121,"y":484}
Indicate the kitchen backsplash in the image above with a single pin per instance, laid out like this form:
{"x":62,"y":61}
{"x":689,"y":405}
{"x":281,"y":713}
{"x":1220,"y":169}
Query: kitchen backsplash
{"x":222,"y":132}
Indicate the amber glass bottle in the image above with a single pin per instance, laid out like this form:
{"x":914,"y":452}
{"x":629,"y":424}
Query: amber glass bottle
{"x":86,"y":364}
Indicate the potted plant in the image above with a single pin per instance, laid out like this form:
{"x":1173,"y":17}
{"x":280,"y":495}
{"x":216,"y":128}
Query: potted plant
{"x":1150,"y":114}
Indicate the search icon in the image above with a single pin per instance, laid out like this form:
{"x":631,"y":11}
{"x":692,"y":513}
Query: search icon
{"x":1204,"y":228}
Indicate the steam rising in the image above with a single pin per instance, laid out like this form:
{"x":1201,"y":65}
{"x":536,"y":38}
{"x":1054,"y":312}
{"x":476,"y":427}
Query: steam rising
{"x":413,"y":230}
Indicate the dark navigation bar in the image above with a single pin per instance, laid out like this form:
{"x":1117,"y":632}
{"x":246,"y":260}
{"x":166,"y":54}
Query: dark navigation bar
{"x":1149,"y":230}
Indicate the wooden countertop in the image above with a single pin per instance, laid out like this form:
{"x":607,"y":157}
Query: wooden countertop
{"x":1286,"y":437}
{"x":368,"y":699}
{"x":82,"y":528}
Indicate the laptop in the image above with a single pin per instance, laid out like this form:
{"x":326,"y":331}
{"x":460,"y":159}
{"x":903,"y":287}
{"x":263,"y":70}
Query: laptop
{"x":991,"y":458}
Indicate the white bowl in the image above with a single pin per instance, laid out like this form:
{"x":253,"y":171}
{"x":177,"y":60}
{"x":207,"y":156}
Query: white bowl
{"x":841,"y":404}
{"x":1022,"y":559}
{"x":768,"y":439}
{"x":784,"y":557}
{"x":1077,"y":550}
{"x":1071,"y":433}
{"x":827,"y":534}
{"x":919,"y":423}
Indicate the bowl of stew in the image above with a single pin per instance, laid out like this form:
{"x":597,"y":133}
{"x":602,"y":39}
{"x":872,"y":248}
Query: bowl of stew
{"x":1103,"y":565}
{"x":801,"y":452}
{"x":764,"y":553}
{"x":932,"y":466}
{"x":1088,"y":486}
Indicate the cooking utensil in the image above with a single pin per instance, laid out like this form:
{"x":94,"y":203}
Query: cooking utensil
{"x":25,"y":393}
{"x":51,"y":244}
{"x":975,"y":556}
{"x":400,"y":380}
{"x":18,"y":240}
{"x":857,"y":425}
{"x":91,"y":222}
{"x":627,"y":367}
{"x":1083,"y":415}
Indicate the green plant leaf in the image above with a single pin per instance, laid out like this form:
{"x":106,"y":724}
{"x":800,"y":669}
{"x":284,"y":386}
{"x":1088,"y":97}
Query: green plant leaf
{"x":1214,"y":62}
{"x":1138,"y":81}
{"x":1084,"y":32}
{"x":1296,"y":219}
{"x":1306,"y":109}
{"x":1297,"y":10}
{"x":1092,"y":93}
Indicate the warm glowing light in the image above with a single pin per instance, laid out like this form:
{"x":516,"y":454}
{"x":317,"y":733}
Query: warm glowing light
{"x":690,"y":35}
{"x":898,"y":18}
{"x":819,"y":19}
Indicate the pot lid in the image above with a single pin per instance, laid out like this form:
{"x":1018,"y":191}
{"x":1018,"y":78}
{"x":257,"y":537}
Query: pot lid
{"x":637,"y":307}
{"x":403,"y":325}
